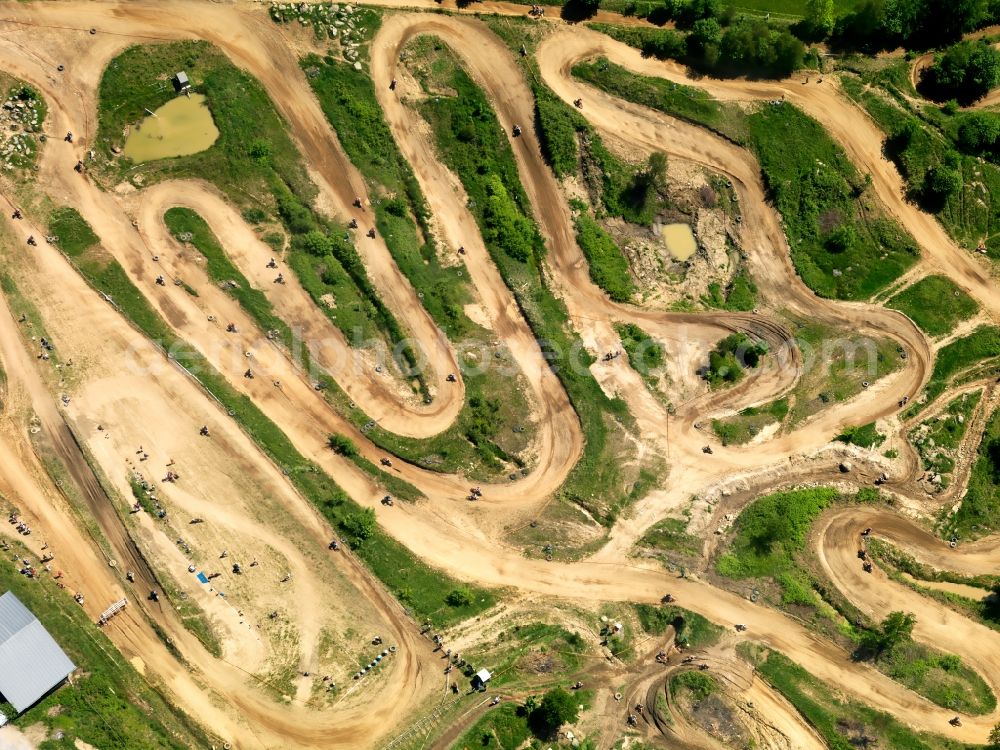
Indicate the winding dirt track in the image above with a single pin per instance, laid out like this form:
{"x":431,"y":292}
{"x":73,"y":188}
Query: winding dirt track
{"x":430,"y":529}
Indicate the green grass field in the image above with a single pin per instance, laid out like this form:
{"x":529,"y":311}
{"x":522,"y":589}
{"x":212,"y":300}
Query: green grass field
{"x":670,"y":536}
{"x":684,"y":102}
{"x":749,"y":422}
{"x":865,"y":436}
{"x":740,"y":295}
{"x":253,"y":146}
{"x":75,"y":235}
{"x":941,"y":678}
{"x":937,"y":438}
{"x":771,"y":530}
{"x":795,"y":8}
{"x":697,"y":684}
{"x":935,"y":303}
{"x":691,"y":629}
{"x":607,"y":264}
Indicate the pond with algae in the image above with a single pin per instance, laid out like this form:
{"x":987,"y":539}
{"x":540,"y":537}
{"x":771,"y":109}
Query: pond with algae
{"x":181,"y":127}
{"x":680,"y":240}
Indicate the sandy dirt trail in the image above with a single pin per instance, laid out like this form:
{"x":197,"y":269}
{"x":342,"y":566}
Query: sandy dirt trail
{"x":256,"y":44}
{"x":190,"y":317}
{"x":325,"y":341}
{"x":90,"y":331}
{"x":491,"y":63}
{"x":461,"y":554}
{"x":847,"y":123}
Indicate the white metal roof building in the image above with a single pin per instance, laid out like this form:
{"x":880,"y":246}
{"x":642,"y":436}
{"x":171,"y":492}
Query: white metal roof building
{"x":31,"y":662}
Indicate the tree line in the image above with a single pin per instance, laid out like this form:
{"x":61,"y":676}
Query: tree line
{"x":716,"y":38}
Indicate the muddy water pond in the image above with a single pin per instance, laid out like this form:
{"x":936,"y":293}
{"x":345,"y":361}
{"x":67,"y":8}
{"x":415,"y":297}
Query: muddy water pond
{"x":180,"y":127}
{"x":680,"y":240}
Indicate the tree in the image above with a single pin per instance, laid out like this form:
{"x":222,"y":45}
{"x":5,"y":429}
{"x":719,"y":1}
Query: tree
{"x":942,"y":181}
{"x":578,"y":10}
{"x":947,"y":20}
{"x":703,"y":41}
{"x":686,"y":14}
{"x":360,"y":525}
{"x":657,"y":171}
{"x":460,"y":597}
{"x":260,"y":151}
{"x":318,"y":244}
{"x":995,"y":737}
{"x":841,"y":239}
{"x":966,"y":71}
{"x":896,"y":628}
{"x":343,"y":445}
{"x":558,"y":707}
{"x":978,"y":132}
{"x":819,"y":17}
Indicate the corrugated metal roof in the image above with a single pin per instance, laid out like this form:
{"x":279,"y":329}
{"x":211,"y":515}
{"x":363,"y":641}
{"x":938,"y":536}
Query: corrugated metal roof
{"x":31,"y":662}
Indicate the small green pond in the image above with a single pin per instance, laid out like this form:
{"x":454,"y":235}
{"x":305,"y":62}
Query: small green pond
{"x":180,"y":127}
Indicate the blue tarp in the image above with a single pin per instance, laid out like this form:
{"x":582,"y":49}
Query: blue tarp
{"x":203,"y":578}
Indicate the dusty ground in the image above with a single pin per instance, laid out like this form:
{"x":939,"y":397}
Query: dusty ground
{"x":249,"y":506}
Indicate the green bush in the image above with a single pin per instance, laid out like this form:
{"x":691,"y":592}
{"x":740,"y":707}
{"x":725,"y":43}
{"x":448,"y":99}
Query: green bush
{"x":739,"y":296}
{"x":771,"y":530}
{"x":343,"y":445}
{"x":690,"y":629}
{"x":360,"y":526}
{"x":557,"y":707}
{"x":727,"y":360}
{"x":505,"y":225}
{"x":686,"y":102}
{"x":966,"y":71}
{"x":645,"y":354}
{"x":699,"y":684}
{"x":865,"y":436}
{"x":460,"y":597}
{"x":607,"y":264}
{"x":558,"y":126}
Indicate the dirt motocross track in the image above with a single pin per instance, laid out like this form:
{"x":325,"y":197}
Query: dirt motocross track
{"x":165,"y":411}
